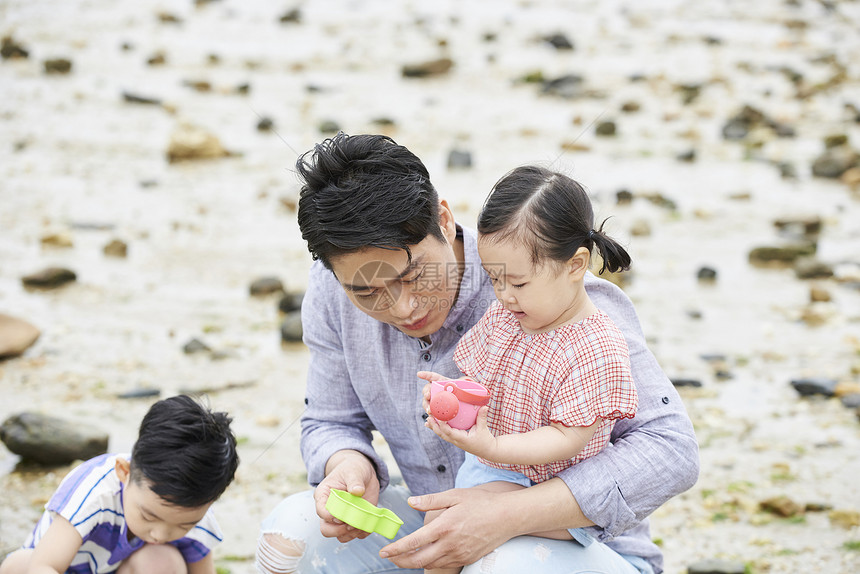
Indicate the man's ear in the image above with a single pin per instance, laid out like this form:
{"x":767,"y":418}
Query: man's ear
{"x":123,"y":469}
{"x":578,"y":264}
{"x":447,"y":222}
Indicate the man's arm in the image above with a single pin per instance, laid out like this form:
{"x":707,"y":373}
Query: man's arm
{"x":56,"y":549}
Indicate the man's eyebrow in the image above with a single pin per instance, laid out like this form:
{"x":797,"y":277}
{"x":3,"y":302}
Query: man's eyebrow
{"x":409,"y":268}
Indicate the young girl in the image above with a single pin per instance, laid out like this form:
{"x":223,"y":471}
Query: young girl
{"x":556,"y":367}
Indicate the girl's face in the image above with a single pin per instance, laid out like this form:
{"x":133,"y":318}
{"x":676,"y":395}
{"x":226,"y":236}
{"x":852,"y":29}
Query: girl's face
{"x":541,"y":298}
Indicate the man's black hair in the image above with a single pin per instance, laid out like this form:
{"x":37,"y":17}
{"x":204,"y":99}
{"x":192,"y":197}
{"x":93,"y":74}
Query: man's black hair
{"x":364,"y":191}
{"x":185,"y":453}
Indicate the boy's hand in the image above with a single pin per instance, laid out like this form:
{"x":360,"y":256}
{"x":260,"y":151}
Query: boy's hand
{"x":478,"y":440}
{"x":352,"y":472}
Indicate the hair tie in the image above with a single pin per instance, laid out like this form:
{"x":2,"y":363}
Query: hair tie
{"x":591,"y":235}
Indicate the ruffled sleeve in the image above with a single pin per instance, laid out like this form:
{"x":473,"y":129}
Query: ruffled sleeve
{"x":473,"y":349}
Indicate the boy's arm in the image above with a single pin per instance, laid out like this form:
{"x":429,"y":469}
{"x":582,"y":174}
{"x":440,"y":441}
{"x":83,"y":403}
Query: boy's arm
{"x":205,"y":565}
{"x":540,"y":446}
{"x":56,"y":549}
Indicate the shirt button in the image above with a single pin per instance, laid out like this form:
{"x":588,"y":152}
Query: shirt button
{"x":665,"y":400}
{"x":426,"y":357}
{"x":425,"y":416}
{"x":460,"y":328}
{"x":441,"y":468}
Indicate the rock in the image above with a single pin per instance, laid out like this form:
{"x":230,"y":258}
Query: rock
{"x":57,"y":240}
{"x":569,"y":86}
{"x":438,"y":67}
{"x":781,"y":506}
{"x":623,"y":197}
{"x":293,"y":16}
{"x":459,"y":159}
{"x":835,"y":140}
{"x":741,"y":124}
{"x":814,"y":386}
{"x":290,"y":302}
{"x":689,"y":92}
{"x":16,"y":336}
{"x":787,"y":170}
{"x":640,"y":228}
{"x":203,"y":86}
{"x":812,"y":268}
{"x":329,"y":127}
{"x":809,"y":227}
{"x":851,"y":177}
{"x":686,"y":383}
{"x":291,"y":328}
{"x":558,"y":41}
{"x":834,"y":162}
{"x":818,"y":294}
{"x":138,"y":99}
{"x":688,"y":156}
{"x":630,"y":107}
{"x":116,"y":248}
{"x":50,"y":440}
{"x":605,"y":129}
{"x":11,"y":50}
{"x":58,"y":66}
{"x":266,"y":286}
{"x":781,"y":256}
{"x":139,"y":393}
{"x":157,"y":59}
{"x":265,"y":125}
{"x":189,"y":142}
{"x":851,"y":401}
{"x":717,"y":567}
{"x":49,"y":278}
{"x":844,"y":518}
{"x":195,"y":346}
{"x":706,"y":274}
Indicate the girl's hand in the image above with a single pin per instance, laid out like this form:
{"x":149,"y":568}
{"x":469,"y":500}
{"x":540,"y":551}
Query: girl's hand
{"x":478,"y":440}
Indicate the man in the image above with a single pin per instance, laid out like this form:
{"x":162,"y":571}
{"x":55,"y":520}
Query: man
{"x":396,"y":284}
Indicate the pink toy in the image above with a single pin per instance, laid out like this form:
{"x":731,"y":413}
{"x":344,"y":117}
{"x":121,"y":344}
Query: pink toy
{"x":457,"y":402}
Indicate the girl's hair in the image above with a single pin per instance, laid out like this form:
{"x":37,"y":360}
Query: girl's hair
{"x":548,"y":213}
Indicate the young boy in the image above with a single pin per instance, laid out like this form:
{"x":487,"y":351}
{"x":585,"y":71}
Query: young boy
{"x":147,"y":514}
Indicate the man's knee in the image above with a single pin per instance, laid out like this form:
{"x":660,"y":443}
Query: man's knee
{"x":162,"y":558}
{"x":278,"y":555}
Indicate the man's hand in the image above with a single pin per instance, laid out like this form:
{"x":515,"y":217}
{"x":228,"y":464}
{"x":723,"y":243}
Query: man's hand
{"x":472,"y":524}
{"x":353,"y":472}
{"x":478,"y":440}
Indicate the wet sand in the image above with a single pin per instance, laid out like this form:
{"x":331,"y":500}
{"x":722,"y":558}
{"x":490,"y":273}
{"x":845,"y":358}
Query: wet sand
{"x":82,"y":166}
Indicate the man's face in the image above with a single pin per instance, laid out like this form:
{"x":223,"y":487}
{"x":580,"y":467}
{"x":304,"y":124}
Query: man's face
{"x":413,"y":296}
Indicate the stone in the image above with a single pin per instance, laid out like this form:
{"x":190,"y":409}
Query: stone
{"x":195,"y":346}
{"x":291,"y":328}
{"x":687,"y":383}
{"x":800,"y":227}
{"x":116,"y":248}
{"x":851,"y":177}
{"x":851,"y":401}
{"x":558,"y":41}
{"x":630,"y":107}
{"x":292,"y":16}
{"x":139,"y":393}
{"x":49,"y":278}
{"x":606,"y":129}
{"x":138,"y":99}
{"x":265,"y":125}
{"x":812,"y":268}
{"x":781,"y":506}
{"x":459,"y":159}
{"x":845,"y":518}
{"x":814,"y":386}
{"x":711,"y":566}
{"x":57,"y":240}
{"x":818,"y":294}
{"x":189,"y":142}
{"x":835,"y":140}
{"x":569,"y":86}
{"x":640,"y":228}
{"x":290,"y":302}
{"x":780,"y":256}
{"x":623,"y":197}
{"x":58,"y":66}
{"x":50,"y":440}
{"x":329,"y":127}
{"x":16,"y":336}
{"x":739,"y":126}
{"x":428,"y":69}
{"x":266,"y":286}
{"x":706,"y":274}
{"x":834,"y":162}
{"x":11,"y":50}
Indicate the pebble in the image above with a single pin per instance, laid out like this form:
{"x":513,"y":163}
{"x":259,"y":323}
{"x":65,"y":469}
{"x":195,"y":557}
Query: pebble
{"x":569,"y":86}
{"x":290,"y":302}
{"x":834,"y":162}
{"x":782,"y":256}
{"x":50,"y":440}
{"x":559,"y":41}
{"x":606,"y":128}
{"x":329,"y":127}
{"x":706,"y":274}
{"x":818,"y":294}
{"x":49,"y":278}
{"x":10,"y":49}
{"x":116,"y":248}
{"x":459,"y":159}
{"x":291,"y":328}
{"x":138,"y":99}
{"x":687,"y":383}
{"x":195,"y":346}
{"x":139,"y":393}
{"x":781,"y":506}
{"x":717,"y":567}
{"x":812,"y":268}
{"x":265,"y":286}
{"x":428,"y":69}
{"x":265,"y":125}
{"x":16,"y":336}
{"x":58,"y":66}
{"x":189,"y":142}
{"x":293,"y":16}
{"x":814,"y":386}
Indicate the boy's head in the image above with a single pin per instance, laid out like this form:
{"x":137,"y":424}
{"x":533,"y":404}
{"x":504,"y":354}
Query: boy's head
{"x":364,"y":191}
{"x":185,"y":453}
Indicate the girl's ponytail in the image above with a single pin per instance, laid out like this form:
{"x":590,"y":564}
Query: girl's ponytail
{"x":615,"y":257}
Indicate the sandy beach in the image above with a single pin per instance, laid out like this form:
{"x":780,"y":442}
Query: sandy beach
{"x":645,"y":108}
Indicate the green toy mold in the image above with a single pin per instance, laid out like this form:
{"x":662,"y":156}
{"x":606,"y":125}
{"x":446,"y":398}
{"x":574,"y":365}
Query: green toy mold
{"x":361,"y":514}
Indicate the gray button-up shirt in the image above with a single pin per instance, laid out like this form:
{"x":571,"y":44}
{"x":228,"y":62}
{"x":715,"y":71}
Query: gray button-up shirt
{"x":362,"y":376}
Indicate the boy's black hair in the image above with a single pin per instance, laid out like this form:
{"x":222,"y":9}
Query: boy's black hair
{"x":364,"y":191}
{"x":185,"y":452}
{"x":548,"y":213}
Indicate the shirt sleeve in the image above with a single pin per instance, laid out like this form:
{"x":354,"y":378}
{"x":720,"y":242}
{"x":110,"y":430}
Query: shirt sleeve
{"x":651,"y":457}
{"x":334,"y":419}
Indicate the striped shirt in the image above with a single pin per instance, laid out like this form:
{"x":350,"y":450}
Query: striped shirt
{"x":570,"y":375}
{"x":90,"y":498}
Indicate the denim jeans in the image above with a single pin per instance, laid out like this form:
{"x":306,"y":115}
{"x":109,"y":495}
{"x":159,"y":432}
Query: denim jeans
{"x":295,"y":518}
